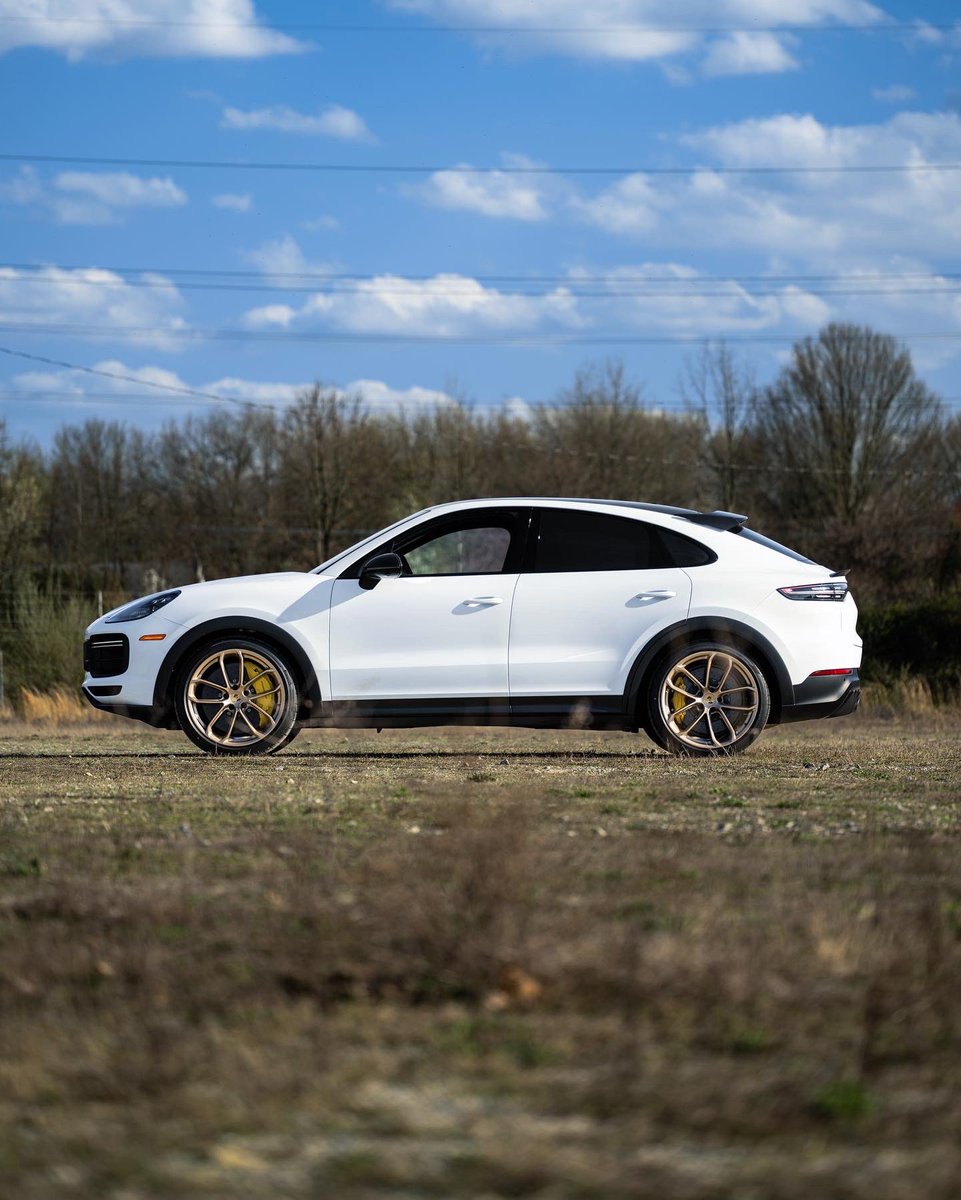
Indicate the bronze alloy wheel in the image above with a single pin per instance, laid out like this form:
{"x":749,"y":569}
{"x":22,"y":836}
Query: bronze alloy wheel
{"x":237,"y":696}
{"x":708,"y":699}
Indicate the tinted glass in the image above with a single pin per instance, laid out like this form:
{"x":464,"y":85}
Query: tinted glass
{"x":481,"y":551}
{"x":681,"y":551}
{"x":571,"y":540}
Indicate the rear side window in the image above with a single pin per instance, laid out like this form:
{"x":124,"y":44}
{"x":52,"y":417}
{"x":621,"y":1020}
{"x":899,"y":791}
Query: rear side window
{"x":573,"y":540}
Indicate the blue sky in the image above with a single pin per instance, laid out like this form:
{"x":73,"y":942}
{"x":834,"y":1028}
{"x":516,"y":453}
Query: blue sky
{"x":606,"y":178}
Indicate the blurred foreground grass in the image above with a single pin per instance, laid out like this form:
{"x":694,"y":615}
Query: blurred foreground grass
{"x":481,"y":963}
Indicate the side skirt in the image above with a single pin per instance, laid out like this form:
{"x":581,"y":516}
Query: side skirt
{"x":535,"y":712}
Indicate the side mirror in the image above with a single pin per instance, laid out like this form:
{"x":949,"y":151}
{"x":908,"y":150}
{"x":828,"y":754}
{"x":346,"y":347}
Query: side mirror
{"x":381,"y":566}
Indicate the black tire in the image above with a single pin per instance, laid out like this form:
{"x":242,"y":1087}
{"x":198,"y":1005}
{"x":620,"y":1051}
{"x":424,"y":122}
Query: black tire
{"x":706,"y":699}
{"x":237,"y":696}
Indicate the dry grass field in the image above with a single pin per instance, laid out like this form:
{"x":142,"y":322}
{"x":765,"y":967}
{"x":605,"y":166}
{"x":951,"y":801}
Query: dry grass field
{"x":473,"y":963}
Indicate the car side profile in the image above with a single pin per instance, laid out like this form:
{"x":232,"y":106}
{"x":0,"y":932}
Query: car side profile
{"x":538,"y":612}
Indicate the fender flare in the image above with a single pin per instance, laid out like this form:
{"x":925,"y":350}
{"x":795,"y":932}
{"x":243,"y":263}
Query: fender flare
{"x":311,"y":697}
{"x":716,"y":628}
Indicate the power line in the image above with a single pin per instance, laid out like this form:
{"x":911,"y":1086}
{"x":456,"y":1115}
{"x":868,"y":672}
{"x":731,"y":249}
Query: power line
{"x":165,"y":387}
{"x":360,"y":277}
{"x":126,"y":399}
{"x":887,"y":26}
{"x":512,"y":169}
{"x":610,"y":288}
{"x":140,"y":333}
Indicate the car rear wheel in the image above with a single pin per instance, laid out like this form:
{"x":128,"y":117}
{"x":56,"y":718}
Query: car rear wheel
{"x":707,"y":699}
{"x":237,"y":696}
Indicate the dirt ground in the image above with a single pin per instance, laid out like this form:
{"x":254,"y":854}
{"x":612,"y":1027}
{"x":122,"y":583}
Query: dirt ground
{"x":481,"y":963}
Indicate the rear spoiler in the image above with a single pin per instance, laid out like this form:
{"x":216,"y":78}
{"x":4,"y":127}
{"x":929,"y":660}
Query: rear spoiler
{"x":725,"y":521}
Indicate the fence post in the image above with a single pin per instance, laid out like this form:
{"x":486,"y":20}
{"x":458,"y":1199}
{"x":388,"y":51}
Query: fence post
{"x":1,"y":679}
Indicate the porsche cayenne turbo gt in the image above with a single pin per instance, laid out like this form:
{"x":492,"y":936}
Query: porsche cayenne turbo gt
{"x":532,"y":612}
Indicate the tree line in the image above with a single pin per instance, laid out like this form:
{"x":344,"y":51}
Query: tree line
{"x":847,"y":456}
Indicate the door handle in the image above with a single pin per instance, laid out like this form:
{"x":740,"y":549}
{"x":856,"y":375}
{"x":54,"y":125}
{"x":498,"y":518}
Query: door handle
{"x":656,"y":594}
{"x":480,"y":601}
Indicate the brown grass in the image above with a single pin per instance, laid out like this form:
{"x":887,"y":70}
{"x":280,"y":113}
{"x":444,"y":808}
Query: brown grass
{"x":482,"y":963}
{"x":58,"y":709}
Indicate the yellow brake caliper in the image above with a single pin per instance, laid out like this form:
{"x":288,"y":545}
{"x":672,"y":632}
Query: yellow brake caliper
{"x":678,"y":701}
{"x":261,"y":684}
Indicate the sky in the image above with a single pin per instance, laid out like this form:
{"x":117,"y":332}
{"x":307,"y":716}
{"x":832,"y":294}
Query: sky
{"x":420,"y":200}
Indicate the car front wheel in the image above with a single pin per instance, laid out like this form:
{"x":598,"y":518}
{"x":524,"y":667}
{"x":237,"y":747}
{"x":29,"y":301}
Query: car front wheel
{"x":237,"y":696}
{"x":707,"y":699}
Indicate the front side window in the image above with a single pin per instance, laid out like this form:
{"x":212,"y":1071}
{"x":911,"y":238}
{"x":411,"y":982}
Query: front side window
{"x":573,"y":540}
{"x":481,"y":551}
{"x":487,"y":541}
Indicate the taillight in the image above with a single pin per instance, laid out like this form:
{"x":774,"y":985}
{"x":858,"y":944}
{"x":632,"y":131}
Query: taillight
{"x":815,"y":591}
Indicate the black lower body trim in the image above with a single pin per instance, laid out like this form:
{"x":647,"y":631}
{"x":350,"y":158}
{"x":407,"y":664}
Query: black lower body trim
{"x":538,"y":712}
{"x":824,"y":696}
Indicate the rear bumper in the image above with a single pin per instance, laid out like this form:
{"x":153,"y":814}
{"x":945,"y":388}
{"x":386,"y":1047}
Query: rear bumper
{"x":824,"y":696}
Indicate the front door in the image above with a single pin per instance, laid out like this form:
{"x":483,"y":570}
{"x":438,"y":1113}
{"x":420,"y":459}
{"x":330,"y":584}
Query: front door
{"x":440,"y":630}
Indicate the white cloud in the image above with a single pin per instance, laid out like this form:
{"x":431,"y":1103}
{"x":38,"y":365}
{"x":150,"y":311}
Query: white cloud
{"x":375,"y":394}
{"x":490,"y":193}
{"x":217,"y":29}
{"x":381,"y":397}
{"x":444,"y":306}
{"x":99,"y":301}
{"x":667,"y":297}
{"x":90,"y":198}
{"x":748,"y":54}
{"x":145,"y":28}
{"x":645,"y":30}
{"x":322,"y":223}
{"x":897,"y":93}
{"x":233,"y":201}
{"x":800,"y":216}
{"x":122,"y":190}
{"x":283,"y":257}
{"x":333,"y":121}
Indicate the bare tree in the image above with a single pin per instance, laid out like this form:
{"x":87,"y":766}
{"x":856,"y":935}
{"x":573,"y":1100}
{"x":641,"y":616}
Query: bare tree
{"x":719,"y":389}
{"x":853,"y":441}
{"x":21,"y":507}
{"x":600,"y":440}
{"x":328,"y":464}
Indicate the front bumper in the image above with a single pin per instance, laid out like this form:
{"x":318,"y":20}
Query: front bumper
{"x":824,"y":696}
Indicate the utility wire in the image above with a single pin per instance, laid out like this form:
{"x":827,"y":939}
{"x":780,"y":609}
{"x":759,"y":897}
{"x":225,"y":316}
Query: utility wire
{"x":179,"y":389}
{"x":353,"y":276}
{"x":331,"y":27}
{"x":512,"y":169}
{"x":140,"y":333}
{"x":614,"y":288}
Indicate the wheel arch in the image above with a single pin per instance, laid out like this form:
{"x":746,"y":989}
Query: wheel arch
{"x":714,"y":629}
{"x":213,"y":630}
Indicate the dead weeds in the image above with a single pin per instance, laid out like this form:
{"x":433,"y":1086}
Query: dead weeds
{"x":481,"y":963}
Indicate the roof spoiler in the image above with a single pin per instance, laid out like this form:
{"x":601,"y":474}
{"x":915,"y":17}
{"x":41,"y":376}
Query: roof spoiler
{"x":729,"y":522}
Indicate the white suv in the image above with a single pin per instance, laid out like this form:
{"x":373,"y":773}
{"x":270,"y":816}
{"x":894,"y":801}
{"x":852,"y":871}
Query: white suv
{"x":536,"y":612}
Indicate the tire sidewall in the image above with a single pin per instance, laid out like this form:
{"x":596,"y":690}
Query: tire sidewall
{"x":652,"y":720}
{"x":286,"y":728}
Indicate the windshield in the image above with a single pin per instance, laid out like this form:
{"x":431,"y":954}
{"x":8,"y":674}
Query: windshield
{"x":331,"y":563}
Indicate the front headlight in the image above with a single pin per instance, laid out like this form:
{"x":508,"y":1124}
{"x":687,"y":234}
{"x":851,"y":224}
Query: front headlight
{"x":142,"y":608}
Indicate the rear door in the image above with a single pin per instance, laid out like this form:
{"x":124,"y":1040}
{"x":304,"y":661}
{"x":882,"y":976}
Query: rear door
{"x":596,"y":589}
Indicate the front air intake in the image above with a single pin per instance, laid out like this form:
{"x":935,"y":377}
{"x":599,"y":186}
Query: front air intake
{"x":106,"y":654}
